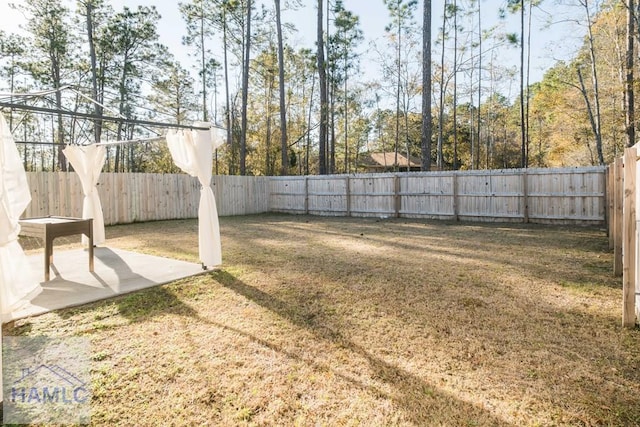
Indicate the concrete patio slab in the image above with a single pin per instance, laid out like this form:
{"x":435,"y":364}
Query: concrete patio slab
{"x":116,"y":272}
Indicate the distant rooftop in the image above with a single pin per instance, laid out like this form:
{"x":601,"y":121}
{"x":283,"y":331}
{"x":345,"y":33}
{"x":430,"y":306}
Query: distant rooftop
{"x":386,"y":161}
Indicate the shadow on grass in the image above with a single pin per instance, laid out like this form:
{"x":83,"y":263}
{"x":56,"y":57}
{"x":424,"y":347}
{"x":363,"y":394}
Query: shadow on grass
{"x":494,"y":243}
{"x":421,"y":402}
{"x":148,"y":303}
{"x":588,"y":370}
{"x":595,"y":394}
{"x":137,"y":306}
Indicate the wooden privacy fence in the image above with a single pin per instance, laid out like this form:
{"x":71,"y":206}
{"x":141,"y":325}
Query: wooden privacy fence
{"x":623,"y":204}
{"x":574,"y":195}
{"x":534,"y":195}
{"x":131,"y":197}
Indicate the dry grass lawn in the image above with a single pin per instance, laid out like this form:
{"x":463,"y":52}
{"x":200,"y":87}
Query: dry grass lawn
{"x":344,"y":321}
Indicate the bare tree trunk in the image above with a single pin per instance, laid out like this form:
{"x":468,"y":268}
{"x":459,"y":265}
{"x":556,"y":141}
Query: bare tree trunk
{"x":440,"y":159}
{"x":528,"y":92}
{"x":455,"y":85}
{"x":629,"y":92}
{"x":331,"y":91}
{"x":405,"y":109}
{"x":596,"y":92}
{"x":203,"y":66}
{"x":472,"y":116}
{"x":308,"y":145}
{"x":322,"y":77}
{"x":97,"y":129}
{"x":592,"y":116}
{"x":523,"y":135}
{"x":25,"y":147}
{"x":490,"y":124}
{"x":346,"y":122}
{"x":398,"y":70}
{"x":284,"y":146}
{"x":332,"y":122}
{"x":426,"y":87}
{"x":119,"y":161}
{"x":268,"y":169}
{"x":245,"y":93}
{"x":60,"y":131}
{"x":226,"y":88}
{"x":479,"y":122}
{"x":54,"y":148}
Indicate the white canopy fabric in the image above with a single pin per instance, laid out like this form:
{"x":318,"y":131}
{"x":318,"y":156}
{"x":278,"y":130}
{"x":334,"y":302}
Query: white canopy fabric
{"x":192,"y":151}
{"x":18,"y":283}
{"x":87,"y":161}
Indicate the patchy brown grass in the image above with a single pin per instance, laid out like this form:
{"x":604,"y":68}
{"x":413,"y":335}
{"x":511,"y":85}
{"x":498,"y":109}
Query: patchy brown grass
{"x":344,"y":321}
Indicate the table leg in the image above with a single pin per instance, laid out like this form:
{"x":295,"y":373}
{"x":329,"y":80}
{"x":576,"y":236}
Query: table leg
{"x":90,"y":246}
{"x":48,"y":254}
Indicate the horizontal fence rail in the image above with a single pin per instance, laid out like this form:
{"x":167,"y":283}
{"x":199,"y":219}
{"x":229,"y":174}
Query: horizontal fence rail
{"x":571,"y":196}
{"x":574,"y":195}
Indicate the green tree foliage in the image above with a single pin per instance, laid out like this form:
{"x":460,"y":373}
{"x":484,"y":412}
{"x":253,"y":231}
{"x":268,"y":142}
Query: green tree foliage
{"x":399,"y":30}
{"x":324,"y":92}
{"x":343,"y":61}
{"x":12,"y":49}
{"x":200,"y":26}
{"x":50,"y":62}
{"x":560,"y":115}
{"x":293,"y":125}
{"x":133,"y":35}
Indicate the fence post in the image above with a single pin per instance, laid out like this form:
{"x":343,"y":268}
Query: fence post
{"x":629,"y":239}
{"x":396,"y":195}
{"x":306,"y":195}
{"x":347,"y":189}
{"x":525,"y":196}
{"x":455,"y":196}
{"x":609,"y":200}
{"x":618,"y":194}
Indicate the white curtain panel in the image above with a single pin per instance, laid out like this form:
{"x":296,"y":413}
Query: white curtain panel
{"x":87,"y":161}
{"x":18,"y":283}
{"x":192,"y":151}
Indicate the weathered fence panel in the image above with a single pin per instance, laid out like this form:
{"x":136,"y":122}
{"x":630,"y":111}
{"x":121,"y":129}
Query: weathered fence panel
{"x":564,"y":195}
{"x":288,"y":194}
{"x":327,"y":195}
{"x":240,"y":195}
{"x":132,"y":197}
{"x":496,"y":195}
{"x":429,"y":195}
{"x":371,"y":194}
{"x":538,"y":195}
